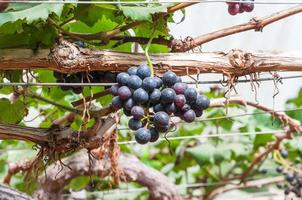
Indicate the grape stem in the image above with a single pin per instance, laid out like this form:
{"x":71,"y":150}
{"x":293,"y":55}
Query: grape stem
{"x":147,"y":52}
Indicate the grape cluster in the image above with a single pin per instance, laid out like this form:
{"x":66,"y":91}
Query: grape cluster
{"x":92,"y":77}
{"x":151,"y":101}
{"x":234,"y":8}
{"x":293,"y":179}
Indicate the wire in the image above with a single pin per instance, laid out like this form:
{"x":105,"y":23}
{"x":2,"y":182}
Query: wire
{"x":28,"y":84}
{"x":149,"y":2}
{"x":211,"y":136}
{"x":233,"y":116}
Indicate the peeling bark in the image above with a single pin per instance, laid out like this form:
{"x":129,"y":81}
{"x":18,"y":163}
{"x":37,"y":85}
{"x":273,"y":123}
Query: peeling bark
{"x":52,"y":184}
{"x":68,"y":58}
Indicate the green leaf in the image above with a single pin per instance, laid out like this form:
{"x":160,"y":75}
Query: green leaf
{"x":143,"y":13}
{"x":38,"y":12}
{"x":12,"y":113}
{"x":262,"y":140}
{"x":203,"y":154}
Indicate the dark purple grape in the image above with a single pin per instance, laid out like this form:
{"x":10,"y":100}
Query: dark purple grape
{"x":180,"y":100}
{"x":169,"y":78}
{"x":247,"y":7}
{"x":134,"y":82}
{"x":202,"y":102}
{"x":114,"y":90}
{"x":143,"y":71}
{"x":185,"y":108}
{"x":178,"y":79}
{"x":124,"y":93}
{"x":154,"y":135}
{"x":122,"y":78}
{"x":241,"y":10}
{"x":286,"y":191}
{"x":198,"y":112}
{"x":132,"y":71}
{"x":116,"y":103}
{"x":140,"y":96}
{"x":162,"y":129}
{"x":167,"y":96}
{"x":149,"y":84}
{"x":170,"y":108}
{"x":65,"y":88}
{"x":234,"y":8}
{"x":137,"y":112}
{"x":127,"y":112}
{"x":290,"y":177}
{"x":142,"y":136}
{"x":159,"y":82}
{"x":77,"y":89}
{"x":178,"y":113}
{"x":279,"y":169}
{"x":128,"y":105}
{"x":134,"y":124}
{"x":284,"y":153}
{"x":189,"y":116}
{"x":158,"y":107}
{"x":180,"y":88}
{"x":80,"y":43}
{"x":191,"y":95}
{"x":155,"y":96}
{"x":161,"y":119}
{"x":59,"y":76}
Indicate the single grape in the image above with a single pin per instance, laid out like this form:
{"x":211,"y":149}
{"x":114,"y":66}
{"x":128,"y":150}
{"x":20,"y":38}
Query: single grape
{"x":248,"y":7}
{"x":142,"y":136}
{"x":161,"y":119}
{"x":124,"y":93}
{"x":180,"y":87}
{"x":129,"y":104}
{"x":286,"y":191}
{"x":170,"y":108}
{"x":116,"y":103}
{"x":191,"y":95}
{"x":80,"y":44}
{"x":149,"y":84}
{"x":77,"y":90}
{"x":178,"y":79}
{"x":137,"y":112}
{"x":134,"y":82}
{"x":58,"y":75}
{"x":143,"y":71}
{"x":202,"y":102}
{"x":290,"y":177}
{"x":234,"y":8}
{"x":169,"y":78}
{"x":185,"y":108}
{"x":140,"y":96}
{"x":167,"y":96}
{"x":241,"y":10}
{"x":159,"y":82}
{"x":189,"y":116}
{"x":132,"y":71}
{"x":155,"y":96}
{"x":198,"y":112}
{"x":162,"y":129}
{"x":122,"y":78}
{"x":284,"y":153}
{"x":154,"y":135}
{"x":180,"y":100}
{"x":263,"y":171}
{"x":134,"y":124}
{"x":158,"y":107}
{"x":114,"y":90}
{"x":127,"y":112}
{"x":279,"y":169}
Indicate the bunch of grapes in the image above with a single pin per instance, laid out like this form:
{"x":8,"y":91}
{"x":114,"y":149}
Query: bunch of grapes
{"x":234,"y":8}
{"x":151,"y":101}
{"x":293,"y":179}
{"x":92,"y":77}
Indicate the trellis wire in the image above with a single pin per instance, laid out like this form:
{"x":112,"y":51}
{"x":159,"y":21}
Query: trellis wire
{"x":151,"y":2}
{"x":233,"y":116}
{"x":28,"y":84}
{"x":220,"y":135}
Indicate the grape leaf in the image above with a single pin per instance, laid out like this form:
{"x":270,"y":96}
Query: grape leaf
{"x":12,"y":113}
{"x":38,"y":12}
